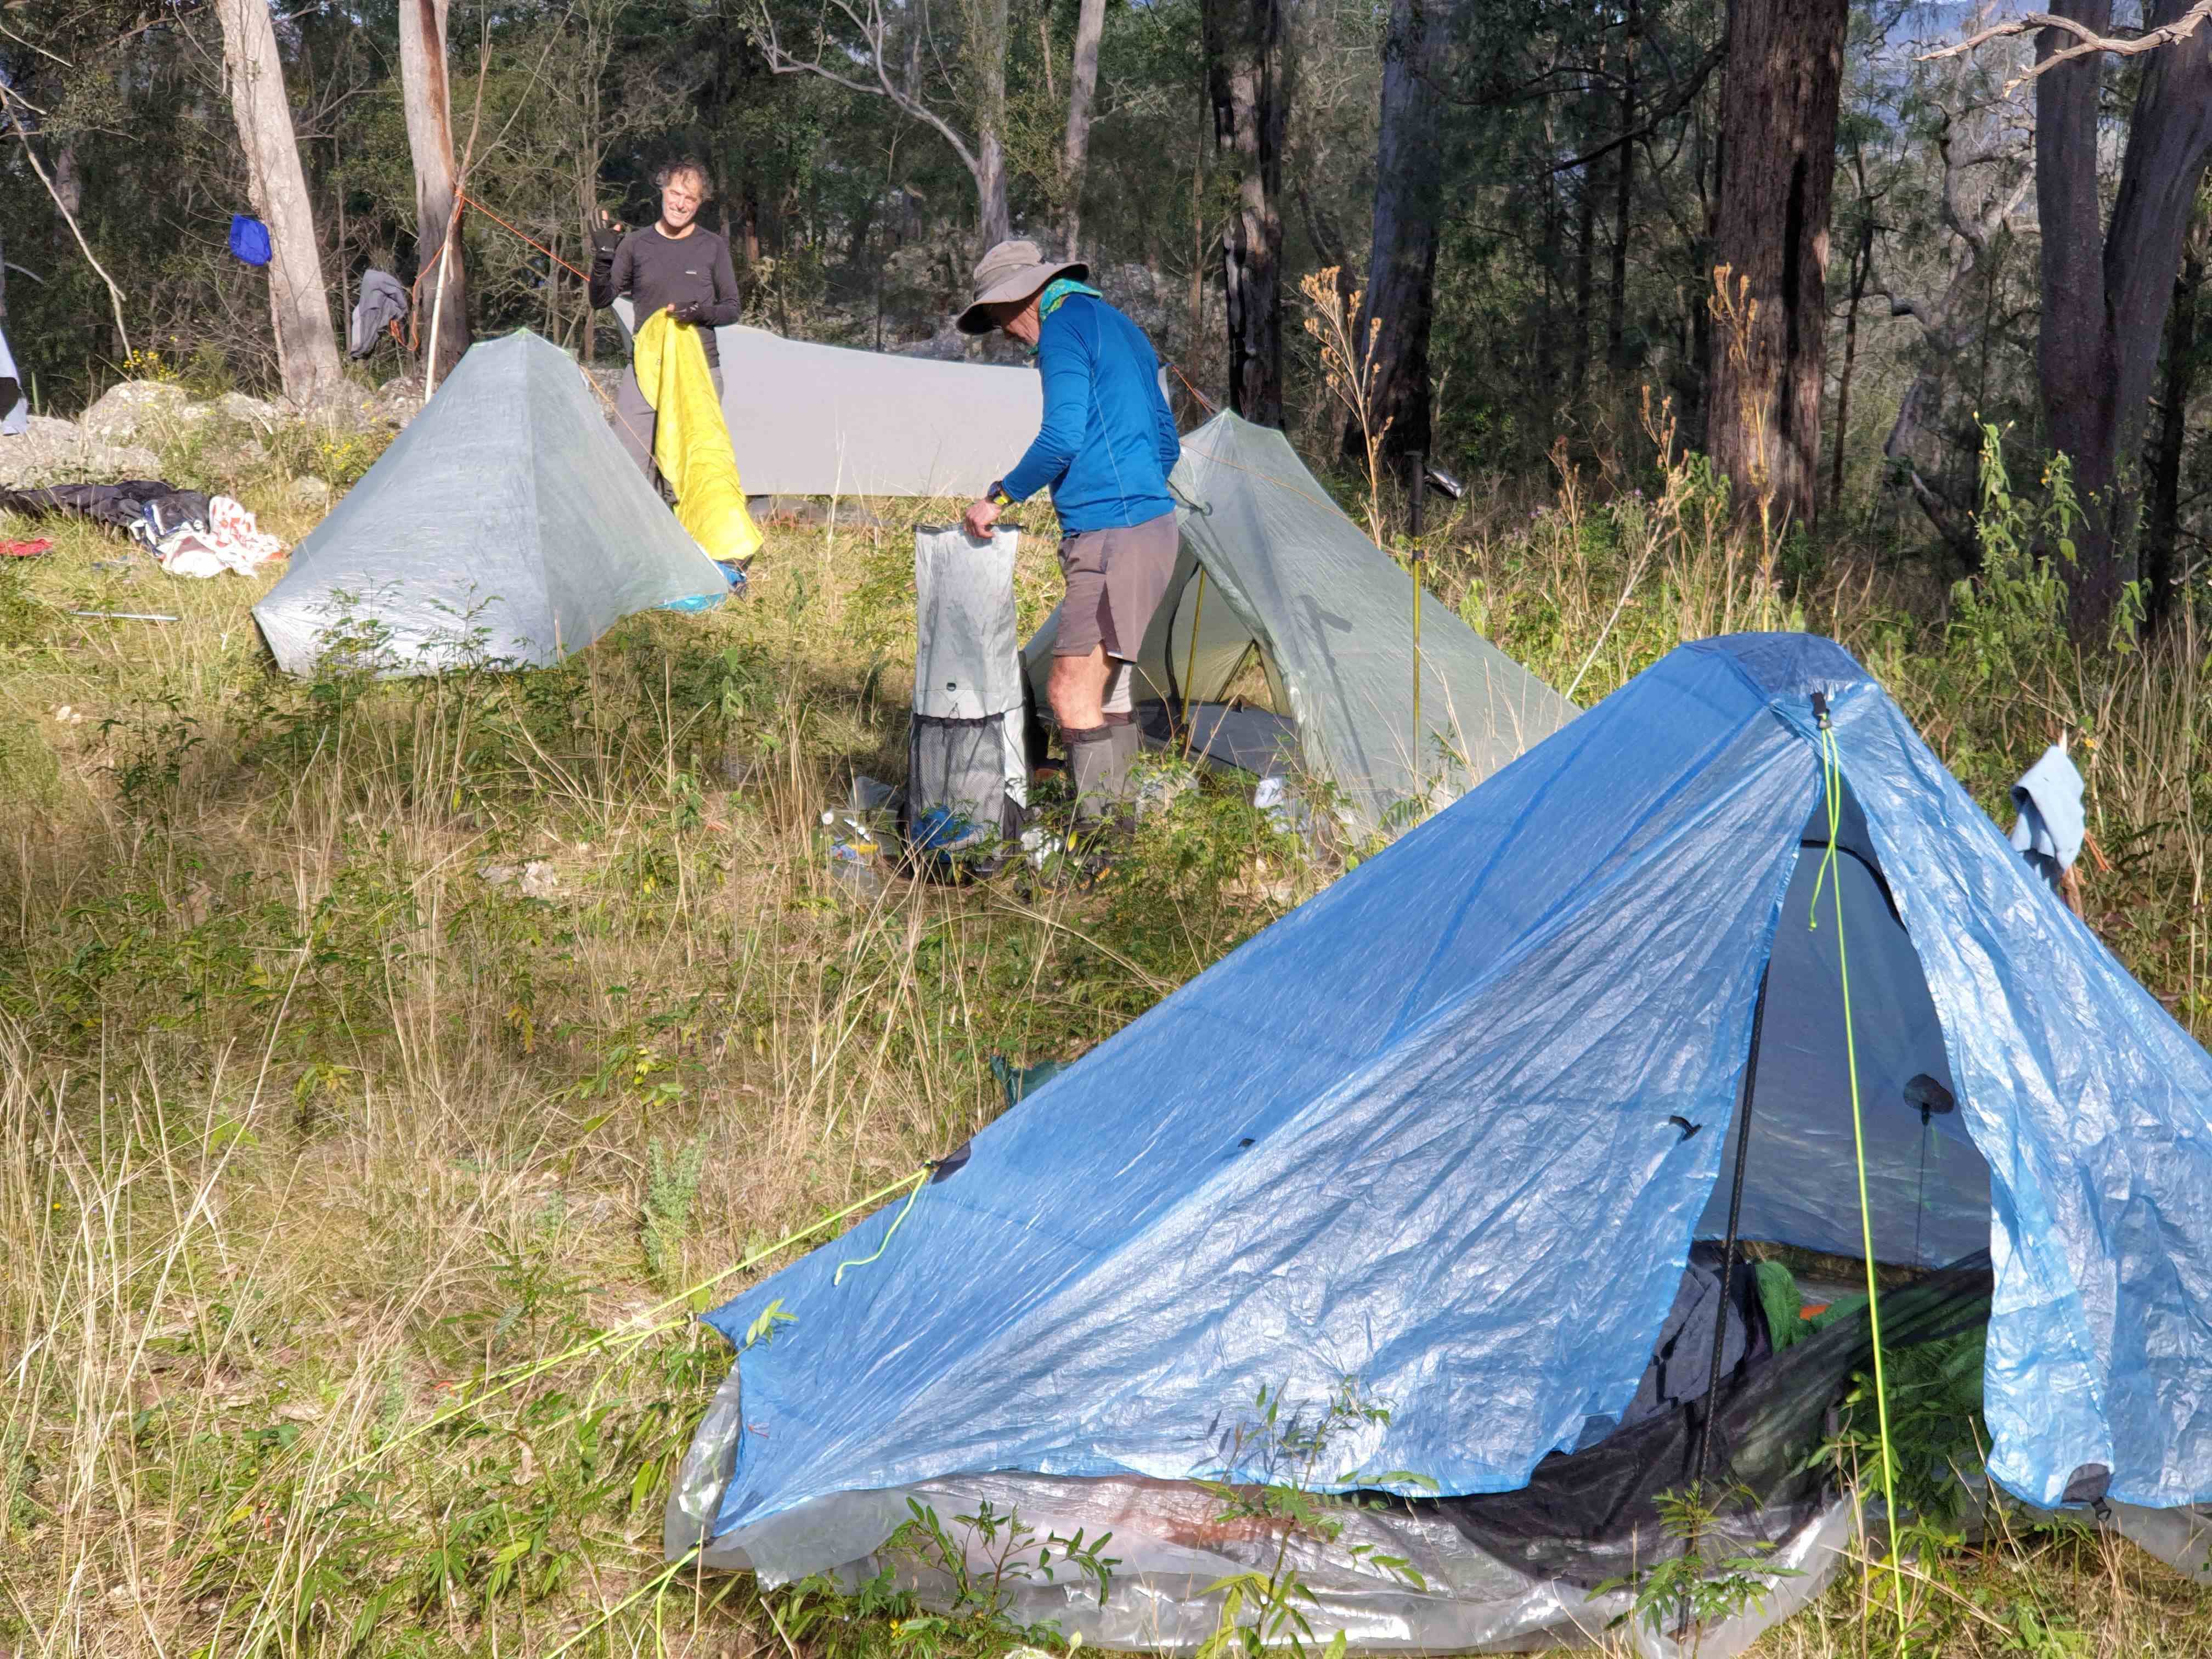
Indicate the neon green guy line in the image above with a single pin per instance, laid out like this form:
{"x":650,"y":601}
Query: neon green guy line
{"x":1831,"y":782}
{"x":920,"y":1178}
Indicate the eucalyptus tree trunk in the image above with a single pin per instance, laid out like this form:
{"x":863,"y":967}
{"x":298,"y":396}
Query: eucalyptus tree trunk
{"x":2107,"y":285}
{"x":1786,"y":65}
{"x":1401,"y":267}
{"x":1862,"y":266}
{"x":2162,"y":464}
{"x":996,"y":220}
{"x":68,"y":183}
{"x":299,"y":304}
{"x":987,"y":47}
{"x":437,"y":180}
{"x":1083,"y":86}
{"x":1624,"y":196}
{"x":1585,"y":281}
{"x":1248,"y":83}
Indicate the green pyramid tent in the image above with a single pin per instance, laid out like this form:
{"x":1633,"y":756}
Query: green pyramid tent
{"x":1291,"y":581}
{"x":505,"y":526}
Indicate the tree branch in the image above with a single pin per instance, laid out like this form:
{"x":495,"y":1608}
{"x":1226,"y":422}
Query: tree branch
{"x":874,"y":31}
{"x":114,"y":294}
{"x":1682,"y":97}
{"x":2086,"y":41}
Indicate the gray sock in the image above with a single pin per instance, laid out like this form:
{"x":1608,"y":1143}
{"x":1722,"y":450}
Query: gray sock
{"x":1126,"y":742}
{"x":1090,"y":766}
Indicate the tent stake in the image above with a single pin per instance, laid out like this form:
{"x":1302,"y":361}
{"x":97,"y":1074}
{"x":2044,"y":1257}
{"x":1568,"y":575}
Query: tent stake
{"x":1190,"y":659}
{"x":1727,"y":1262}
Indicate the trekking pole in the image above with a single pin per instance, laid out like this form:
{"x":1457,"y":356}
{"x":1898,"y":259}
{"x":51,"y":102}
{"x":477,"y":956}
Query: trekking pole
{"x":1419,"y":464}
{"x":1190,"y":659}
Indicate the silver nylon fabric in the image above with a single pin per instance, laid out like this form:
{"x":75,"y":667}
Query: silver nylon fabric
{"x":1331,"y":616}
{"x":1171,"y":1547}
{"x":967,"y":667}
{"x":1170,"y":1550}
{"x":967,"y":659}
{"x":504,"y":527}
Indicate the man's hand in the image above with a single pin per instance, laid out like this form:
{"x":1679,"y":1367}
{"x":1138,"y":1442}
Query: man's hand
{"x":689,"y":311}
{"x":979,"y":517}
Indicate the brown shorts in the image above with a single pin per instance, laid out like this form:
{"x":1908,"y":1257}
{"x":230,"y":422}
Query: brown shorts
{"x":1116,"y":579}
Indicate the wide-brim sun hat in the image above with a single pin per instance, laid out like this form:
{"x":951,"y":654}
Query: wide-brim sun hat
{"x":1012,"y":271}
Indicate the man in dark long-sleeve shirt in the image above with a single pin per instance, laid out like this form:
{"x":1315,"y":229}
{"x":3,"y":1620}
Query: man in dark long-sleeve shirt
{"x":675,"y":265}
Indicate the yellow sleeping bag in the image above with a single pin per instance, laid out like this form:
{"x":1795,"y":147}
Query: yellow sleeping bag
{"x":691,"y":439}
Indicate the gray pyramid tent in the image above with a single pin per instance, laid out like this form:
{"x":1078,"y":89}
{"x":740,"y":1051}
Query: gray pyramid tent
{"x":1290,"y":580}
{"x":504,"y":527}
{"x":821,"y":420}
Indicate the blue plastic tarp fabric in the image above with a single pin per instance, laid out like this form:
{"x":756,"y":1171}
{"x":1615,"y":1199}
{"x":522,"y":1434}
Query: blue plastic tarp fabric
{"x":1429,"y":1130}
{"x":2093,"y":1110}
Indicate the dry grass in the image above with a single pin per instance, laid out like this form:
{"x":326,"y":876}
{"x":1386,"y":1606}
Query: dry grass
{"x":307,"y":1130}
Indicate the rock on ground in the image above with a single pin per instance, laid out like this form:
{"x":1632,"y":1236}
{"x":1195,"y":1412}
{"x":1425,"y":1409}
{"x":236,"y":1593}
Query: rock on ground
{"x":397,"y":401}
{"x":536,"y":879}
{"x":125,"y":411}
{"x":339,"y":405}
{"x":606,"y":382}
{"x":256,"y":412}
{"x":101,"y":446}
{"x":61,"y":452}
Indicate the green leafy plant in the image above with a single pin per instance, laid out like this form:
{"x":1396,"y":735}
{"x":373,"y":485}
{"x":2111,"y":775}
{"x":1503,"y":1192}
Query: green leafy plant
{"x":763,"y":1329}
{"x":2011,"y":617}
{"x":994,"y":1557}
{"x":152,"y":743}
{"x":2039,"y":1634}
{"x":1690,"y":1588}
{"x":672,"y":1185}
{"x":1266,"y":1609}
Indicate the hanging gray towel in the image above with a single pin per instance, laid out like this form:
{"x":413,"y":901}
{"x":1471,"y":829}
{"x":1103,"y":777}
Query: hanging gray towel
{"x":382,"y":300}
{"x":15,"y":407}
{"x":2049,"y":830}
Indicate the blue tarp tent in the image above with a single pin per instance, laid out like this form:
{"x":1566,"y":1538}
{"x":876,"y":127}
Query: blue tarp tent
{"x":1453,"y":1125}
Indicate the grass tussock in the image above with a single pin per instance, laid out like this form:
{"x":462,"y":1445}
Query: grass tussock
{"x":353,"y":1206}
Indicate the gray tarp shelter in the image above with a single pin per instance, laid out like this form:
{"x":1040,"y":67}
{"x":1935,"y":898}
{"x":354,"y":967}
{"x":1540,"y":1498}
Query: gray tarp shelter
{"x":818,"y":420}
{"x":505,"y":526}
{"x":1290,"y":578}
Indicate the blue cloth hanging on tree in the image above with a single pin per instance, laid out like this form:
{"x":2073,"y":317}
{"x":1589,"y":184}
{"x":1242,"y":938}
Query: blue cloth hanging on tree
{"x":249,"y":238}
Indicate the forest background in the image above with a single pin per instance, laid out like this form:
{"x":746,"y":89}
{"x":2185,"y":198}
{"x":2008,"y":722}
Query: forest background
{"x":1528,"y":201}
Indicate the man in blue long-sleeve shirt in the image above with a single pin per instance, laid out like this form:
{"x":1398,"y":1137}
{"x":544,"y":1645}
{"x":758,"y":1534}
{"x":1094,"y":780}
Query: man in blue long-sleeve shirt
{"x":1105,"y":450}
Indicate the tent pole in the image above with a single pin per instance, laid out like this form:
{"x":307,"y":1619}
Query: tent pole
{"x":1419,"y":467}
{"x":1728,"y":1256}
{"x":1190,"y":659}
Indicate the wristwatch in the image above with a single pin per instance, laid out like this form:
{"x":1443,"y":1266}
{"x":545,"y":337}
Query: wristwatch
{"x":997,"y":492}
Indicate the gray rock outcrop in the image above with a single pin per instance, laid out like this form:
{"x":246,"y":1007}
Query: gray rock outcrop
{"x":62,"y":451}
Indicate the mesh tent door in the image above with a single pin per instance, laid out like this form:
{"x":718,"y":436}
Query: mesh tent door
{"x":1928,"y":1185}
